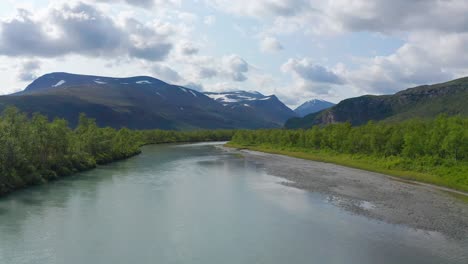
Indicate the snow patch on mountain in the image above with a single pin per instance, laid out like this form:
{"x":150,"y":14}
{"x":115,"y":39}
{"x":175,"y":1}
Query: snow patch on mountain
{"x":61,"y":82}
{"x":236,"y":96}
{"x":222,"y":98}
{"x":144,"y":82}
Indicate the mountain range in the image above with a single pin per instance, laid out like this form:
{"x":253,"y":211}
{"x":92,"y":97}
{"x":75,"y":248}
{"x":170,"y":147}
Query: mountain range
{"x":426,"y":101}
{"x":144,"y":102}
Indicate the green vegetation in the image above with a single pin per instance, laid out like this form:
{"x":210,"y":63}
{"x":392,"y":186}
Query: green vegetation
{"x":34,"y":150}
{"x":170,"y":136}
{"x":424,"y":102}
{"x":432,"y":151}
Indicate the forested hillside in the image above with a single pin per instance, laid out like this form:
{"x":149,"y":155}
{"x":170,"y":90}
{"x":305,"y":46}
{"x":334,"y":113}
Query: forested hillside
{"x":434,"y":151}
{"x":34,"y":150}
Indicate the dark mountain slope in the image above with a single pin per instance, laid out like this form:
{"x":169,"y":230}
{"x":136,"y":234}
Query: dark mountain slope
{"x":425,"y":101}
{"x":69,"y":108}
{"x":136,"y":102}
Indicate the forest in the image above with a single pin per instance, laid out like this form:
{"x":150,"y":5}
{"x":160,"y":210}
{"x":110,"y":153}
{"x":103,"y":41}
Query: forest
{"x":433,"y":151}
{"x":34,"y":150}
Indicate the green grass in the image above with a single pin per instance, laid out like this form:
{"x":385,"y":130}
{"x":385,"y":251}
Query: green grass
{"x":454,"y":176}
{"x":458,"y":196}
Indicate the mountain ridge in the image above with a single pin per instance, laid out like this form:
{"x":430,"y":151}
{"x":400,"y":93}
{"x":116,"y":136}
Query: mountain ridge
{"x":425,"y":101}
{"x":139,"y":102}
{"x":266,"y":106}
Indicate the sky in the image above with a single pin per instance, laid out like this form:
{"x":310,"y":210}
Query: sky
{"x":296,"y":49}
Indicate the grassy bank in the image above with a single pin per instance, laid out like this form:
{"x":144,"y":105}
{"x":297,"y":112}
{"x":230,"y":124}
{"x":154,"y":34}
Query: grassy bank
{"x":454,"y":176}
{"x":432,"y":151}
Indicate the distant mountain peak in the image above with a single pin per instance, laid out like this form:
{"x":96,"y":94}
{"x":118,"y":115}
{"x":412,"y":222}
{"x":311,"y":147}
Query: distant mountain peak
{"x":315,"y":101}
{"x":312,"y":106}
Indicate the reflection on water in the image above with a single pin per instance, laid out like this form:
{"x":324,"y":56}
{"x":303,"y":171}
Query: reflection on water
{"x":195,"y":203}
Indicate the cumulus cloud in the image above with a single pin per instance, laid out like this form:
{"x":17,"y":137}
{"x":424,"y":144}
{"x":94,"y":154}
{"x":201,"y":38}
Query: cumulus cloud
{"x":236,"y":67}
{"x":308,"y":71}
{"x":187,"y":48}
{"x":310,"y":79}
{"x":81,"y":29}
{"x":400,"y":15}
{"x":426,"y":58}
{"x":261,"y":8}
{"x":28,"y":70}
{"x":23,"y":36}
{"x":356,"y":15}
{"x":435,"y":32}
{"x":270,"y":45}
{"x":166,"y":73}
{"x":206,"y":73}
{"x":144,"y":3}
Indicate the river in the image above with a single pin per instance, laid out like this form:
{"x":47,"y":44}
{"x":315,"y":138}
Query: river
{"x":195,"y":203}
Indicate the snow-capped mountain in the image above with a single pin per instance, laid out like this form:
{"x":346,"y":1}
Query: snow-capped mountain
{"x":254,"y":103}
{"x":144,"y":102}
{"x":312,"y":106}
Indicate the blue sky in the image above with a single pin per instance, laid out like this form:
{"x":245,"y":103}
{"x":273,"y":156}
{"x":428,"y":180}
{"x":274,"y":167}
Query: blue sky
{"x":296,"y":49}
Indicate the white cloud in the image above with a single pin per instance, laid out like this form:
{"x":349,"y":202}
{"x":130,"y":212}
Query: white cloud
{"x":310,"y":80}
{"x":357,"y":15}
{"x":161,"y":37}
{"x":399,"y":15}
{"x":166,"y":73}
{"x":186,"y":48}
{"x":206,"y":73}
{"x":209,"y":20}
{"x":261,"y":8}
{"x":236,"y":67}
{"x":426,"y":58}
{"x":83,"y":29}
{"x":306,"y":70}
{"x":143,"y":3}
{"x":187,"y":17}
{"x":28,"y":70}
{"x":270,"y":45}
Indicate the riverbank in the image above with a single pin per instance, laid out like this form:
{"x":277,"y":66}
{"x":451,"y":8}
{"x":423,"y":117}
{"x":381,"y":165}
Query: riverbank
{"x":44,"y":177}
{"x":35,"y":150}
{"x":373,"y":164}
{"x":371,"y":194}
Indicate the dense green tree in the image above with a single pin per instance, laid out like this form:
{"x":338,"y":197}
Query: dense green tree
{"x":439,"y":139}
{"x":438,"y":147}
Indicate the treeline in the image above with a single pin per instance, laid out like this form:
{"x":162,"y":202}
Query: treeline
{"x":34,"y":150}
{"x":168,"y":136}
{"x":418,"y":145}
